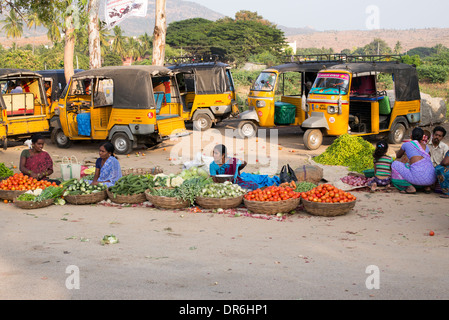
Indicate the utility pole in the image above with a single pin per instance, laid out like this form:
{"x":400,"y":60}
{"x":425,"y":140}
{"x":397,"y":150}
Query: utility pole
{"x":159,"y":34}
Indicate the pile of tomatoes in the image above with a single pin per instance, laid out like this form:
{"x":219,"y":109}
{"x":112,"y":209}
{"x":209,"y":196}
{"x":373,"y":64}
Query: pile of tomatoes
{"x":328,"y":193}
{"x":22,"y":182}
{"x":272,"y":193}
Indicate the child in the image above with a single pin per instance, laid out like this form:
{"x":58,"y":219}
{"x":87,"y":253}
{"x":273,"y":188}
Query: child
{"x":382,"y":166}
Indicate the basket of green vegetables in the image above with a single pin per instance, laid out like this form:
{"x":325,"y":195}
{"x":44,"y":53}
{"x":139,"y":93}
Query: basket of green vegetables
{"x":40,"y":198}
{"x":129,"y":189}
{"x":80,"y":192}
{"x":166,"y":198}
{"x":224,"y":195}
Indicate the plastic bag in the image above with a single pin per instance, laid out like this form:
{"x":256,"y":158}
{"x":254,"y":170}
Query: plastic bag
{"x":287,"y":174}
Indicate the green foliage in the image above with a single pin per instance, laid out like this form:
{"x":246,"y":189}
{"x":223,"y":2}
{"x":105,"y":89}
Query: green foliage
{"x":412,"y":60}
{"x":243,"y":77}
{"x":433,"y":73}
{"x":20,"y":59}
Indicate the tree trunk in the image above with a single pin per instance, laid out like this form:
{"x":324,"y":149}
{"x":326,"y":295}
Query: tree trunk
{"x":94,"y":35}
{"x":69,"y":48}
{"x":160,"y":31}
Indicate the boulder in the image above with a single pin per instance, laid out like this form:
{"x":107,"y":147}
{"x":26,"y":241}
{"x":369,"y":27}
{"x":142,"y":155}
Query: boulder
{"x":433,"y":110}
{"x":309,"y":173}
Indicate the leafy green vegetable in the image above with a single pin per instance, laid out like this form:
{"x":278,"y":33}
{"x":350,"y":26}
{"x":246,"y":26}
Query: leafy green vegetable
{"x":26,"y":197}
{"x":350,"y":151}
{"x":5,"y":171}
{"x":304,"y":186}
{"x":50,"y":193}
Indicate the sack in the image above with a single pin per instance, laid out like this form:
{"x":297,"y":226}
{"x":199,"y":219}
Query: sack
{"x":287,"y":174}
{"x":70,"y":169}
{"x":309,"y":173}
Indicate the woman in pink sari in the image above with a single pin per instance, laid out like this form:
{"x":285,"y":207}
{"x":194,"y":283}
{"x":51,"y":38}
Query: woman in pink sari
{"x":36,"y":162}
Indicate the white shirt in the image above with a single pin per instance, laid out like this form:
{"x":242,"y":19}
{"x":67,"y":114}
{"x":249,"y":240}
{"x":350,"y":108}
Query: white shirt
{"x":17,"y":89}
{"x":438,"y":153}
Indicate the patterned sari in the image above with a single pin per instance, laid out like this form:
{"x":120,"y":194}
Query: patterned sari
{"x":110,"y":172}
{"x":245,"y":180}
{"x":442,"y":173}
{"x":421,"y":173}
{"x":38,"y":162}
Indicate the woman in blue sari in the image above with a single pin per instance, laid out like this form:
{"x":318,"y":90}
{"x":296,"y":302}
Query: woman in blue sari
{"x":107,"y":167}
{"x":233,"y":166}
{"x":442,"y":171}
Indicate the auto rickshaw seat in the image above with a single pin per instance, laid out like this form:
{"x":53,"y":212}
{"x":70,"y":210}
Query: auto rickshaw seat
{"x":159,"y":97}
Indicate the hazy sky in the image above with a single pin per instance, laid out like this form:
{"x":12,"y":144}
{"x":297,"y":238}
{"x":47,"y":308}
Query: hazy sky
{"x":342,"y":14}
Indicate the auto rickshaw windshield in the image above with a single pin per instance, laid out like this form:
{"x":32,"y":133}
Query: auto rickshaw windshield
{"x":331,"y":83}
{"x":265,"y":81}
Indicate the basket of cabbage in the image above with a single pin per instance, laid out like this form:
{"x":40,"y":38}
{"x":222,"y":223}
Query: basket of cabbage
{"x":224,"y":195}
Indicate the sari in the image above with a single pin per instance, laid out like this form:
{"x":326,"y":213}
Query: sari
{"x":442,"y":173}
{"x":38,"y":162}
{"x":110,"y":172}
{"x":245,"y":180}
{"x":421,"y":173}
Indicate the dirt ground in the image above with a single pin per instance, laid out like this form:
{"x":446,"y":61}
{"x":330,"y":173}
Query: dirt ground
{"x":380,"y":250}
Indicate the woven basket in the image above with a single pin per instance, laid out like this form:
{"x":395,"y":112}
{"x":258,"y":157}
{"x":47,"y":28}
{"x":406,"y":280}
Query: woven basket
{"x":131,"y":199}
{"x":272,"y":207}
{"x":32,"y":204}
{"x":86,"y":198}
{"x":137,"y":171}
{"x":215,"y":203}
{"x":10,"y":194}
{"x":167,"y":202}
{"x":328,"y":209}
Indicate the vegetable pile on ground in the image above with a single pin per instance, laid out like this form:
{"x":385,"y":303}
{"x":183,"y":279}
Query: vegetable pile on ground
{"x":356,"y":181}
{"x":222,"y":190}
{"x":5,"y":171}
{"x":130,"y":184}
{"x":304,"y":186}
{"x":82,"y":186}
{"x":22,"y":182}
{"x":328,"y":193}
{"x":349,"y":151}
{"x":272,"y":193}
{"x":38,"y":195}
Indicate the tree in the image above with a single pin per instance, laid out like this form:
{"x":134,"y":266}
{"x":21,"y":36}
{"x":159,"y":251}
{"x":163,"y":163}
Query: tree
{"x":118,"y":45}
{"x":398,"y":48}
{"x":94,"y":34}
{"x":159,"y":34}
{"x":376,"y":47}
{"x":13,"y":25}
{"x":33,"y":21}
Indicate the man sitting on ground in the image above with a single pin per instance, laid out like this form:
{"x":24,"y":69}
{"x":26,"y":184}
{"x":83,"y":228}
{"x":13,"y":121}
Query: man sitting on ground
{"x":438,"y":149}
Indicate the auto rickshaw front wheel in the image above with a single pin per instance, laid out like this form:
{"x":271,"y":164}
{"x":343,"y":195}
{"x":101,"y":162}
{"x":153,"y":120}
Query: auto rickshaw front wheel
{"x":397,"y":133}
{"x":247,"y":129}
{"x":60,"y":139}
{"x":122,"y":144}
{"x":313,"y":138}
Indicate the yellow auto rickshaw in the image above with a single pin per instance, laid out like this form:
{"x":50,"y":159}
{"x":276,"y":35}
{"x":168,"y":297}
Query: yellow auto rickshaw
{"x":278,"y":95}
{"x":119,"y":104}
{"x":207,"y":89}
{"x":24,"y":109}
{"x":354,"y":98}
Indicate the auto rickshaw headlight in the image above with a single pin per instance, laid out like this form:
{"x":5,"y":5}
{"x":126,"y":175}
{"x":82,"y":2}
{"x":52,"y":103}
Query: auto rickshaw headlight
{"x":260,"y":104}
{"x":332,"y":109}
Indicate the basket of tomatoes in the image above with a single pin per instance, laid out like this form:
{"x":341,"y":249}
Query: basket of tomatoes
{"x":327,"y":200}
{"x":272,"y":200}
{"x":18,"y":184}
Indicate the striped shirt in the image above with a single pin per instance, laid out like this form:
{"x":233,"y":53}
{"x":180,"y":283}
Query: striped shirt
{"x":383,"y":166}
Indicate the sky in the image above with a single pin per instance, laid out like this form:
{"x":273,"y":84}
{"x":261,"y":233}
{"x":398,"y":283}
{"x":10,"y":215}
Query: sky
{"x":323,"y":15}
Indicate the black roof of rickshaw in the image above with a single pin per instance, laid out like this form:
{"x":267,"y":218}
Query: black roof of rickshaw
{"x":14,"y":72}
{"x":133,"y":87}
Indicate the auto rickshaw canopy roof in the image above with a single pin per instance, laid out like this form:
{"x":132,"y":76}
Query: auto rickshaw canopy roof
{"x":133,"y":87}
{"x":210,"y":77}
{"x":7,"y":73}
{"x":405,"y":77}
{"x":303,"y":67}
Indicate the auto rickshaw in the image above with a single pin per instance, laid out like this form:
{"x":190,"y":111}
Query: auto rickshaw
{"x":348,"y":98}
{"x":207,"y":90}
{"x":119,"y":104}
{"x":24,"y":109}
{"x":278,"y":95}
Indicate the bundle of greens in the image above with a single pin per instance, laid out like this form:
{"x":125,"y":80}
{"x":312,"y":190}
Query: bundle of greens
{"x":130,"y":184}
{"x":51,"y":193}
{"x":349,"y":151}
{"x":5,"y":171}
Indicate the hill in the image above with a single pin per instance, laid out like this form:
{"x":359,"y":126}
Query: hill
{"x":340,"y":40}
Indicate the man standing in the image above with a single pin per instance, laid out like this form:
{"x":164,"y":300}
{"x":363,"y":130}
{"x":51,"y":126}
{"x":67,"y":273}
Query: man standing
{"x":438,"y":149}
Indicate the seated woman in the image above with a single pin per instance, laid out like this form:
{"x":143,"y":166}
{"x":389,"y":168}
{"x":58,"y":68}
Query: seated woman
{"x":107,"y":167}
{"x":222,"y":164}
{"x":419,"y":170}
{"x":442,"y":172}
{"x":36,"y":162}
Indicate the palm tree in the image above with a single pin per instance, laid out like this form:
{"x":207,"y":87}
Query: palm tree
{"x":13,"y":25}
{"x":118,"y":45}
{"x":33,"y":20}
{"x":146,"y":43}
{"x":53,"y":32}
{"x":104,"y":37}
{"x":133,"y":49}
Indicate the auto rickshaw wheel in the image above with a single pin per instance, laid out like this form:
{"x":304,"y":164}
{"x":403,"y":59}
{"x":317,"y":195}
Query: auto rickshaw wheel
{"x":60,"y":139}
{"x":313,"y":138}
{"x":396,"y":134}
{"x":247,"y":129}
{"x":122,"y":144}
{"x":202,"y":122}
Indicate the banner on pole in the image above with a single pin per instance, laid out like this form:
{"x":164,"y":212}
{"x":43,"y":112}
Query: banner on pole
{"x":118,"y":10}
